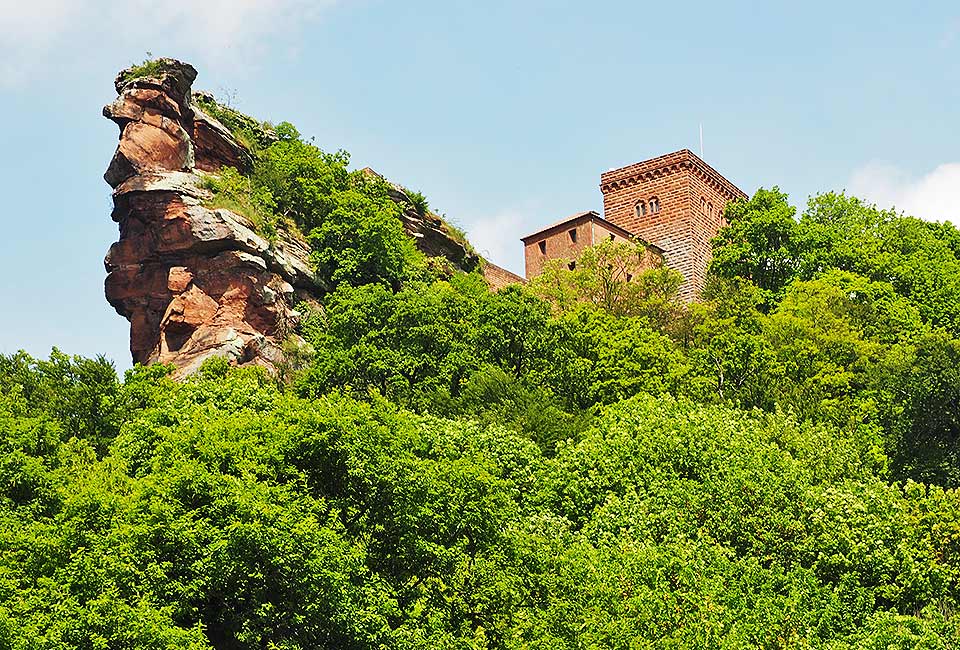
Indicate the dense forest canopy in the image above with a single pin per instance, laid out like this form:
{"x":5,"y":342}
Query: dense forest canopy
{"x":581,"y":462}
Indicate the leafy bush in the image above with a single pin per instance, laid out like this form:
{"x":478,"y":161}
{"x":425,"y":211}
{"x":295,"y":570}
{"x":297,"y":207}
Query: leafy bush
{"x":583,"y":462}
{"x":349,"y":220}
{"x":237,"y":193}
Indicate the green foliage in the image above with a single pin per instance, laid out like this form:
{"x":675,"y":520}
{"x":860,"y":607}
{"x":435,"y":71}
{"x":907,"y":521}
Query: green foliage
{"x":408,"y":345}
{"x":583,"y":462}
{"x":349,"y":220}
{"x":495,"y":397}
{"x":613,"y":277}
{"x":419,"y":202}
{"x":235,"y":192}
{"x":764,"y":244}
{"x":921,"y":415}
{"x":760,"y":244}
{"x":149,"y":68}
{"x":457,"y":234}
{"x":228,"y":513}
{"x":864,"y":311}
{"x":60,"y":398}
{"x":255,"y":136}
{"x":361,"y":240}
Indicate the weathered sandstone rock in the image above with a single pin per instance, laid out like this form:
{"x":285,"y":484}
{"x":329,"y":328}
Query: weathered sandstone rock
{"x":193,"y":282}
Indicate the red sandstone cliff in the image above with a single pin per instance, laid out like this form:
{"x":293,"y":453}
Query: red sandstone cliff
{"x":196,"y":282}
{"x":193,"y":282}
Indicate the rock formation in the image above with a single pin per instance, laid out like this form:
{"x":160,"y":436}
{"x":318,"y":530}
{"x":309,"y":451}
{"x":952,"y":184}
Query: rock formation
{"x":193,"y":282}
{"x":197,"y":282}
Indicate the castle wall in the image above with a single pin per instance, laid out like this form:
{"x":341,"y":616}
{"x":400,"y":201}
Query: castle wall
{"x":669,"y":228}
{"x":498,"y":277}
{"x":705,"y":223}
{"x":557,"y":244}
{"x":602,"y":233}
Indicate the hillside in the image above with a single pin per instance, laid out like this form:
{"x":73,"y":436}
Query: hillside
{"x":412,"y":459}
{"x":228,"y":223}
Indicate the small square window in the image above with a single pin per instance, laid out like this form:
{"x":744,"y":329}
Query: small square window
{"x":543,"y":247}
{"x":573,"y":235}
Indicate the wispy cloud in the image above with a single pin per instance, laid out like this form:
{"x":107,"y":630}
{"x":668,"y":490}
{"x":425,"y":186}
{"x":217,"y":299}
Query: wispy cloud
{"x":229,"y":24}
{"x":497,"y":236}
{"x":950,"y":34}
{"x":37,"y":34}
{"x":935,"y":196}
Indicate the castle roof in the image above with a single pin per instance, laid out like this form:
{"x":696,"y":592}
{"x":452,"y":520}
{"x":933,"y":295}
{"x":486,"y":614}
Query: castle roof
{"x":589,"y":215}
{"x":654,"y":167}
{"x":579,"y":217}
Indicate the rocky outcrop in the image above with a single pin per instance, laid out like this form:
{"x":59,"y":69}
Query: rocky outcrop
{"x":197,"y":282}
{"x":428,"y":230}
{"x":194,"y":282}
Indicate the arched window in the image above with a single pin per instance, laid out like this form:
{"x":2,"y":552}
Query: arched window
{"x":654,"y":205}
{"x":703,"y":205}
{"x":709,"y":209}
{"x":640,"y":209}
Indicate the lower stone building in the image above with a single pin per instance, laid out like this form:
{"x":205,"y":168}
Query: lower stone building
{"x":567,"y":239}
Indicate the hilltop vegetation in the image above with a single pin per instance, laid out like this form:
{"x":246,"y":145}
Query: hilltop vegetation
{"x":352,"y":226}
{"x":583,"y":462}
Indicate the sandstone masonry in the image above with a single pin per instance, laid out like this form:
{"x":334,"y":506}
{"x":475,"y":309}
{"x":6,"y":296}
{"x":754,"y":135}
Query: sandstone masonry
{"x":197,"y":282}
{"x":568,"y":238}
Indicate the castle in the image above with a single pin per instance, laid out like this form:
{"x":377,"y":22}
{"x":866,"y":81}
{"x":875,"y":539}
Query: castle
{"x":672,"y":203}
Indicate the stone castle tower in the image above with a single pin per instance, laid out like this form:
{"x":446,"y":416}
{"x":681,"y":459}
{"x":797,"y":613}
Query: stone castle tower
{"x":674,"y":203}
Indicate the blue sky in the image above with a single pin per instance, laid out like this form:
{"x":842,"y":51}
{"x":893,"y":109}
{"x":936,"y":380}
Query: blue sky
{"x":503,"y":114}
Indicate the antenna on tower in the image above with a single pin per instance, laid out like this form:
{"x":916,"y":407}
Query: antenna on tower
{"x":701,"y":139}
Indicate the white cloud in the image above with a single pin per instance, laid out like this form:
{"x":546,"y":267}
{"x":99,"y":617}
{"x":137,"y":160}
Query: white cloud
{"x":227,"y":24}
{"x":33,"y":21}
{"x":497,"y":237}
{"x":42,"y":33}
{"x":934,"y":196}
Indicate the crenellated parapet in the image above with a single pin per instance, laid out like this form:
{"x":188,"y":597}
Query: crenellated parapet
{"x":675,"y":201}
{"x":666,"y":165}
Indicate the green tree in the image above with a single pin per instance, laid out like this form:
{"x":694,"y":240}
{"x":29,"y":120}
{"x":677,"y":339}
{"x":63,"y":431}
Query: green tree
{"x":761,"y":244}
{"x":612,"y":276}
